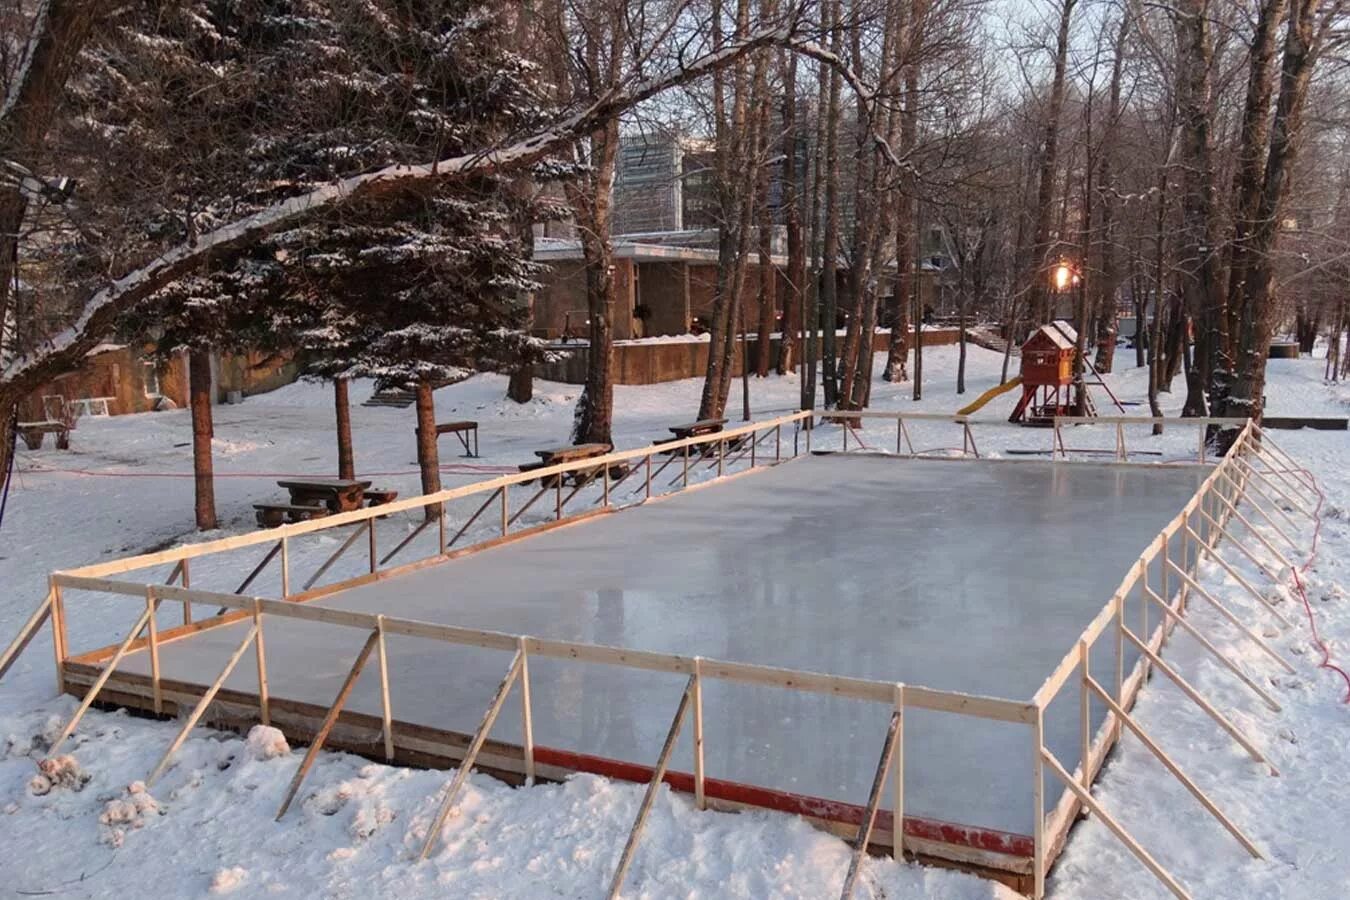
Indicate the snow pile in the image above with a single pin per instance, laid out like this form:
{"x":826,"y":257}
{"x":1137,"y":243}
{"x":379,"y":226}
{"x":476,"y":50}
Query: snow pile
{"x":57,"y":772}
{"x":265,"y":742}
{"x":128,"y":812}
{"x":227,"y":881}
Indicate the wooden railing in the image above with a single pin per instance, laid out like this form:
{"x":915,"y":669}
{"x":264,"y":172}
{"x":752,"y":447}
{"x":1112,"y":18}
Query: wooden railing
{"x":1253,"y":470}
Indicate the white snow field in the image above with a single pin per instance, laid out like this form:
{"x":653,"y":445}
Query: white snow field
{"x":208,"y":828}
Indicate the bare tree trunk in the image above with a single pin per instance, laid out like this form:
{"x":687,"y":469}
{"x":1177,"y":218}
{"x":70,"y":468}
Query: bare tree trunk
{"x":343,"y":410}
{"x":767,"y":300}
{"x":60,"y":30}
{"x":791,"y":347}
{"x":830,"y":253}
{"x":1049,"y":161}
{"x":428,"y":450}
{"x":199,"y":394}
{"x":1109,"y":282}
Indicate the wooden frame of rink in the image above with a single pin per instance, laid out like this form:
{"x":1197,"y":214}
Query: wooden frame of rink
{"x":1254,"y":472}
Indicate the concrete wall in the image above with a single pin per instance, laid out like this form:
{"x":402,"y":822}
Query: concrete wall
{"x":653,"y":363}
{"x":562,"y":301}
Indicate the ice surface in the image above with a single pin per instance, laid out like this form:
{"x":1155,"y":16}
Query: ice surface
{"x":973,"y":577}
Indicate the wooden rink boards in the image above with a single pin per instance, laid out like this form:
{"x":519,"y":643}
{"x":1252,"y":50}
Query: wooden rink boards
{"x":988,"y":849}
{"x":1012,"y":614}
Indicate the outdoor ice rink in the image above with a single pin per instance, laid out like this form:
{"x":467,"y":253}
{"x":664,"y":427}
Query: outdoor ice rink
{"x":965,"y":576}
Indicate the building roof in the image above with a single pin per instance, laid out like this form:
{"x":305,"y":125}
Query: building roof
{"x":1060,"y":333}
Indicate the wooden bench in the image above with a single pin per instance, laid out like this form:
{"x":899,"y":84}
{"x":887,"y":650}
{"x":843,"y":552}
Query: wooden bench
{"x":697,"y":429}
{"x":338,"y":494}
{"x":465,"y":431}
{"x":271,"y":515}
{"x":379,"y":497}
{"x":34,"y":433}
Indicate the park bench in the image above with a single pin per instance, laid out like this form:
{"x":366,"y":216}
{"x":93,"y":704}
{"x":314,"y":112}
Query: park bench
{"x":379,"y":497}
{"x":466,"y":431}
{"x":34,"y":433}
{"x":692,"y":429}
{"x":271,"y":515}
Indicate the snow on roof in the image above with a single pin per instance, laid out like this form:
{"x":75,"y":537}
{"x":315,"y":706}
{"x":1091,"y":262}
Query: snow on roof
{"x":105,"y":347}
{"x":1062,"y":333}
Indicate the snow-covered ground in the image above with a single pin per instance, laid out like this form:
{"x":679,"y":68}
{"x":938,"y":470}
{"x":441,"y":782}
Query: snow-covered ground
{"x":126,"y":488}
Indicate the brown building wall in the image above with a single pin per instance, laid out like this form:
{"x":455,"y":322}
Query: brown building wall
{"x":122,"y":375}
{"x":561,"y":304}
{"x":653,"y":363}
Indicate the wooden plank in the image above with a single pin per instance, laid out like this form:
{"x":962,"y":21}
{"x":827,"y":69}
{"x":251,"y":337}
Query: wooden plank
{"x":1115,"y":827}
{"x":630,"y":848}
{"x":200,"y":708}
{"x":1171,"y":766}
{"x":260,"y":657}
{"x":317,"y":744}
{"x":1040,"y":861}
{"x":873,"y":800}
{"x":153,"y":606}
{"x":526,"y":713}
{"x":466,"y":765}
{"x":700,"y":795}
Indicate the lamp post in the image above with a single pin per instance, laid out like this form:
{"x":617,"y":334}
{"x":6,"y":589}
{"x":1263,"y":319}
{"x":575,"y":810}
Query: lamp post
{"x":1066,"y":277}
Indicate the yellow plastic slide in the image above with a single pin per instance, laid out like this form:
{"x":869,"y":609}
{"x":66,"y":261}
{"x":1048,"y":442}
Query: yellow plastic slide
{"x":989,"y":395}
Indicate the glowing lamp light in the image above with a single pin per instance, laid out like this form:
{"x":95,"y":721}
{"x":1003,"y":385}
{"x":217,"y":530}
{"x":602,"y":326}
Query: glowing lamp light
{"x":1063,"y":276}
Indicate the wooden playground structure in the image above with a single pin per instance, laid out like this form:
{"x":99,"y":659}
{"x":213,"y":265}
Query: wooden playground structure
{"x":1255,"y":474}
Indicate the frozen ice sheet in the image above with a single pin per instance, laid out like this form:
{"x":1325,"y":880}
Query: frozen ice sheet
{"x":965,"y":576}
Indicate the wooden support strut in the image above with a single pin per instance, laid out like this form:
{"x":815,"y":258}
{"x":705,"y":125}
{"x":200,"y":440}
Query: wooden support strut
{"x":658,"y":773}
{"x":1260,"y":474}
{"x":1264,"y":567}
{"x":466,"y":764}
{"x":1194,"y":632}
{"x":329,"y":721}
{"x":26,"y":633}
{"x":1200,"y":701}
{"x":1242,"y":488}
{"x":1236,"y":622}
{"x":1274,"y":451}
{"x":873,"y":801}
{"x":1276,"y":501}
{"x":351,"y":539}
{"x":1115,"y":827}
{"x":1265,"y":542}
{"x":1172,"y":767}
{"x":465,"y":527}
{"x":102,"y":679}
{"x":1237,"y":576}
{"x":200,"y":709}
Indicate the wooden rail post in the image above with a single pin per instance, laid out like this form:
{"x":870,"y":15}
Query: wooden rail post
{"x":526,"y":714}
{"x":260,"y":654}
{"x":201,"y":707}
{"x":186,"y":581}
{"x":386,"y":707}
{"x":700,"y":798}
{"x":466,"y":764}
{"x":329,"y":720}
{"x":870,"y":812}
{"x":1085,"y":713}
{"x":1038,"y":852}
{"x":156,"y":688}
{"x":658,"y":774}
{"x":374,"y":553}
{"x":59,"y":635}
{"x":506,"y":523}
{"x":285,"y":569}
{"x":898,"y":777}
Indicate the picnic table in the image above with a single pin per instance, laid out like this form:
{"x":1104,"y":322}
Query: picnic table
{"x":465,"y":431}
{"x":34,"y":433}
{"x":697,"y":429}
{"x":555,"y":456}
{"x":337,"y":494}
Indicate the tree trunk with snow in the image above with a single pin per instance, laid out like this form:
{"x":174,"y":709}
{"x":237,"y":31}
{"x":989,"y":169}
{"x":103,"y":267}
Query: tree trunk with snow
{"x":343,"y":414}
{"x":203,"y":429}
{"x":428,"y":450}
